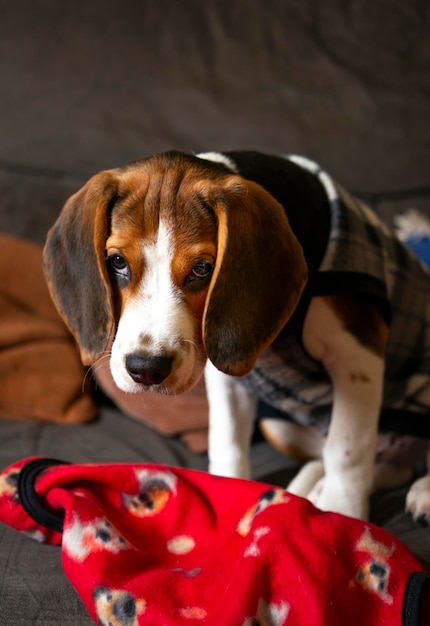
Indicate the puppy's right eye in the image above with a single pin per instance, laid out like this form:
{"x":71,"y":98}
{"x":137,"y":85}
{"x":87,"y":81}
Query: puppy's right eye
{"x":119,"y":269}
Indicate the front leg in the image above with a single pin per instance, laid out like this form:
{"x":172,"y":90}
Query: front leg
{"x":232,"y":411}
{"x":355,"y":364}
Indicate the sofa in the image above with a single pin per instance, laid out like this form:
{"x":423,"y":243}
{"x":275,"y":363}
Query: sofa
{"x":94,"y":85}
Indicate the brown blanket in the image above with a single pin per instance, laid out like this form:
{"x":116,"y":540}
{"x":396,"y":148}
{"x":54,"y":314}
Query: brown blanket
{"x":41,"y":375}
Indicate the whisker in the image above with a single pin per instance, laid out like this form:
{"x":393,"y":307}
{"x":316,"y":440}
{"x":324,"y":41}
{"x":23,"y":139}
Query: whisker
{"x":84,"y":380}
{"x":93,"y":367}
{"x":193,"y":343}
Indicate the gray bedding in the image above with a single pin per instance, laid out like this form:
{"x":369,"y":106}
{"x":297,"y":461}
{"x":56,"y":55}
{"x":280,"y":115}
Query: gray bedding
{"x":91,"y":85}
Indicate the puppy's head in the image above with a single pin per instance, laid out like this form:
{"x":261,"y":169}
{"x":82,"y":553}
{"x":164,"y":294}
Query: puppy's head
{"x":173,"y":259}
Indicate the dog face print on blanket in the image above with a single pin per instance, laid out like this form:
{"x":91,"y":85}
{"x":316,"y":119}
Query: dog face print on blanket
{"x":150,"y":544}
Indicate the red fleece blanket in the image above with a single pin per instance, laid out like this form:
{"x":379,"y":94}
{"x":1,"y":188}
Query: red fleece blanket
{"x":150,"y":544}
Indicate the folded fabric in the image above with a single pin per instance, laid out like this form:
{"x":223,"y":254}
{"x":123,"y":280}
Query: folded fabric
{"x":41,"y":375}
{"x":151,"y":544}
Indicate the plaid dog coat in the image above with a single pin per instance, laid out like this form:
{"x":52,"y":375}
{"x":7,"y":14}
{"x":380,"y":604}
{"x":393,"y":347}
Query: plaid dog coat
{"x":151,"y":544}
{"x":348,"y":251}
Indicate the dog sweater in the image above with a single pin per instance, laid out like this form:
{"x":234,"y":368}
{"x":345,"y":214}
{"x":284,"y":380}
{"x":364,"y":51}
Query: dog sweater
{"x":349,"y":251}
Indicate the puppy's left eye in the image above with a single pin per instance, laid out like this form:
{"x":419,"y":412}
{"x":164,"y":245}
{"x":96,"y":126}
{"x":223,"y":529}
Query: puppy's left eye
{"x":118,"y":266}
{"x":201,"y":271}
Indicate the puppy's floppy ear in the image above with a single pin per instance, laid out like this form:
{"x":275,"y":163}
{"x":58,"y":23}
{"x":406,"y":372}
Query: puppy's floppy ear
{"x":259,"y":275}
{"x":75,"y":269}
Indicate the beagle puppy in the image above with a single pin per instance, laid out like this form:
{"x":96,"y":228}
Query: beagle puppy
{"x":266,"y":273}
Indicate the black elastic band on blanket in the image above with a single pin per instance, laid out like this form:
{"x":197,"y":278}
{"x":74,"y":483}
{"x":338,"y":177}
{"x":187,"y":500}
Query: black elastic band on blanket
{"x":29,"y":499}
{"x":412,"y":610}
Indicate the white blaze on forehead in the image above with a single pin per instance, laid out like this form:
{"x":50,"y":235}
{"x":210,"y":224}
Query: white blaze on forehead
{"x":158,"y":256}
{"x":157,"y":306}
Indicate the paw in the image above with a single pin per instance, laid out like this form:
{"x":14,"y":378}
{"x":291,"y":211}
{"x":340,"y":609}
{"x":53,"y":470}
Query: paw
{"x":306,"y":479}
{"x":333,"y":496}
{"x":330,"y":494}
{"x":315,"y":494}
{"x":418,"y":500}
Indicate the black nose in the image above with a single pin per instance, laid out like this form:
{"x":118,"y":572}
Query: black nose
{"x":148,"y":370}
